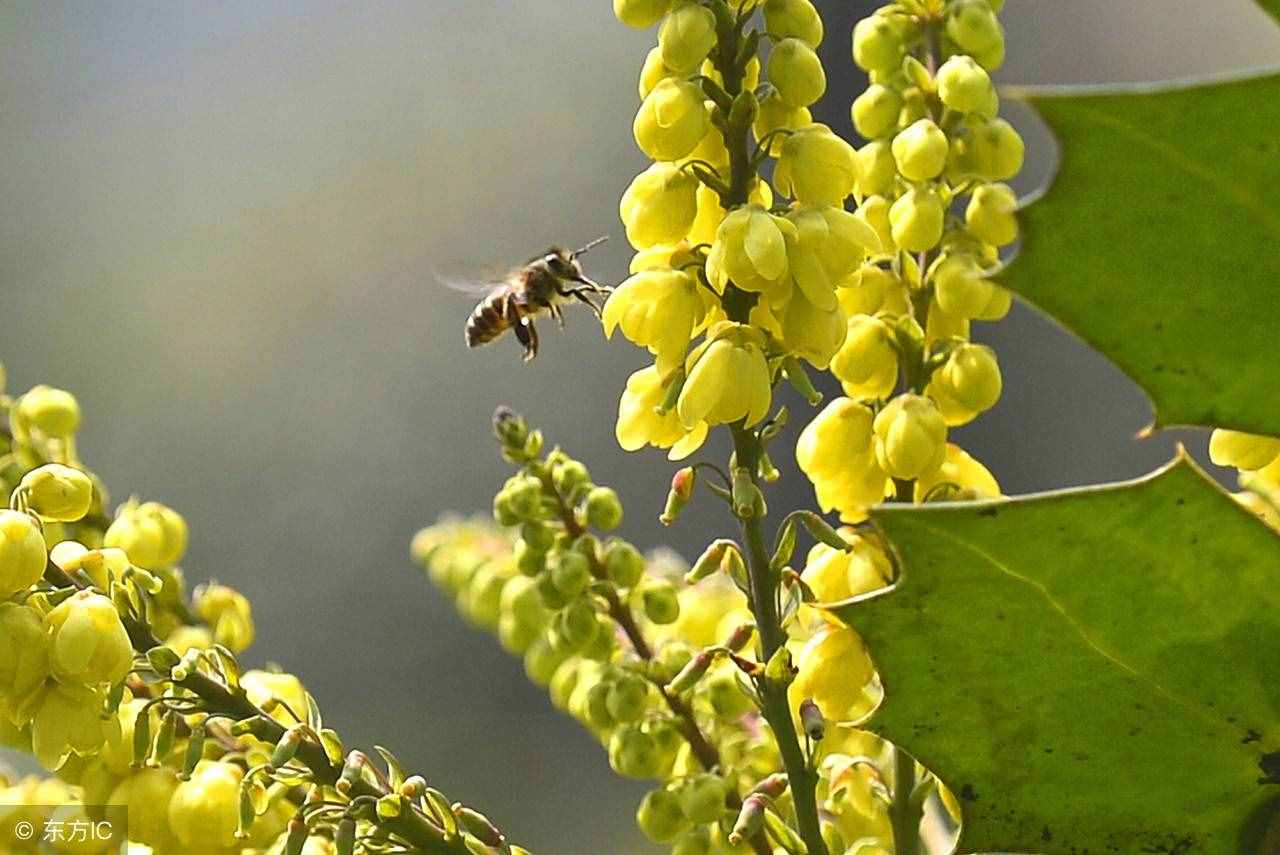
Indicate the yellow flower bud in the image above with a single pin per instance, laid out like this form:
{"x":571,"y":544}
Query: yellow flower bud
{"x":835,"y":575}
{"x":991,"y":150}
{"x":151,"y":534}
{"x":974,"y":27}
{"x":205,"y":810}
{"x":911,"y":437}
{"x":88,"y":642}
{"x":58,"y":493}
{"x":796,"y":72}
{"x":186,"y":638}
{"x":816,"y":166}
{"x":920,"y":151}
{"x":968,"y":383}
{"x":68,"y":720}
{"x":672,"y":120}
{"x":967,"y":479}
{"x":964,"y":86}
{"x":863,"y":292}
{"x":658,"y":310}
{"x":812,"y":332}
{"x":146,"y":794}
{"x":877,"y":169}
{"x":711,"y":214}
{"x":659,"y":205}
{"x":22,"y":553}
{"x":990,"y":214}
{"x":639,"y":423}
{"x":750,"y":250}
{"x":25,"y":662}
{"x":640,"y":13}
{"x":867,"y":364}
{"x":728,"y":379}
{"x":1242,"y":450}
{"x":877,"y":45}
{"x":686,"y":36}
{"x":875,"y":111}
{"x":271,"y":689}
{"x":229,"y":613}
{"x":958,"y":284}
{"x":833,"y":669}
{"x":102,"y":566}
{"x":797,"y":19}
{"x":652,"y":72}
{"x":836,"y":452}
{"x":774,"y":114}
{"x":874,"y":211}
{"x":53,"y":412}
{"x":916,"y":220}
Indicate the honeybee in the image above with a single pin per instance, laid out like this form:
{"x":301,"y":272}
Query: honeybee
{"x":540,"y":286}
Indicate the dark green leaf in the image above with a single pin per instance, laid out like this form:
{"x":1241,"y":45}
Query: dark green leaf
{"x":1156,"y":243}
{"x":1271,"y":6}
{"x":1089,"y":671}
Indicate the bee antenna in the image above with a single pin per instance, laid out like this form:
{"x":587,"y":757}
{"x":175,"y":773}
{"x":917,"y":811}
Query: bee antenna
{"x":583,"y":250}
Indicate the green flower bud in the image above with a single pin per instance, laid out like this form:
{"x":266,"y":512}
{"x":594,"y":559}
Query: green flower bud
{"x":58,"y":493}
{"x":576,"y":625}
{"x":797,"y":19}
{"x":796,"y":72}
{"x":484,"y":597}
{"x":623,"y":563}
{"x":640,"y":13}
{"x":680,"y":494}
{"x":552,"y":597}
{"x":53,"y":412}
{"x":633,"y":753}
{"x":541,"y":661}
{"x":659,"y":206}
{"x":564,"y":681}
{"x":968,"y":382}
{"x":661,"y":604}
{"x":877,"y":45}
{"x":205,"y":811}
{"x":25,"y":662}
{"x":920,"y":151}
{"x":974,"y":27}
{"x":597,"y":707}
{"x":517,"y":636}
{"x":910,"y":437}
{"x":23,"y":555}
{"x":87,"y":640}
{"x":963,"y":85}
{"x":628,"y":699}
{"x":702,"y":799}
{"x":992,"y":150}
{"x":694,"y":842}
{"x":571,"y":573}
{"x":875,"y":111}
{"x":959,"y":285}
{"x":659,"y":816}
{"x":877,"y":169}
{"x":686,"y":36}
{"x":569,"y":476}
{"x":990,"y":215}
{"x":604,"y":509}
{"x":672,"y":120}
{"x":916,"y":219}
{"x":529,"y":562}
{"x":816,"y":166}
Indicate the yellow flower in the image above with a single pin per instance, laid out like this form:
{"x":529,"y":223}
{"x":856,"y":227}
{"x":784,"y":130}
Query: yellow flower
{"x":836,"y":452}
{"x":146,"y":794}
{"x":88,"y":642}
{"x":639,"y":423}
{"x":1242,"y":450}
{"x":186,"y":638}
{"x":640,"y":13}
{"x":965,"y":86}
{"x":53,"y":412}
{"x":711,"y":214}
{"x":775,"y":114}
{"x":652,"y":71}
{"x":911,"y":437}
{"x":672,"y":120}
{"x":867,"y":364}
{"x":875,"y":112}
{"x":659,"y":205}
{"x":151,"y":534}
{"x":68,"y":720}
{"x":816,"y":166}
{"x":812,"y":332}
{"x":750,"y":250}
{"x":1262,"y":507}
{"x":920,"y":151}
{"x":686,"y":36}
{"x":833,"y":669}
{"x":728,"y":380}
{"x":877,"y":170}
{"x":267,"y":690}
{"x":205,"y":810}
{"x":988,"y":149}
{"x":960,"y":477}
{"x":25,"y":661}
{"x":796,"y":72}
{"x":916,"y":219}
{"x":793,"y":19}
{"x":656,"y":309}
{"x":58,"y":493}
{"x":229,"y":613}
{"x":835,"y":575}
{"x":877,"y":44}
{"x":967,"y":384}
{"x":829,"y":246}
{"x":22,"y":553}
{"x":100,"y":565}
{"x":990,"y":214}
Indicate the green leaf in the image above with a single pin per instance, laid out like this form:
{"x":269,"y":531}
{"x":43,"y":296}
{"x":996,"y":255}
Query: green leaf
{"x":1156,"y":242}
{"x":1272,"y":7}
{"x":1089,"y":671}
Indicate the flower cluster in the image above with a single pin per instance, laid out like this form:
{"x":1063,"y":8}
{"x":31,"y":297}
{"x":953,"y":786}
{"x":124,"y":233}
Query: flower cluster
{"x":662,"y":661}
{"x":131,"y":693}
{"x":1258,"y":459}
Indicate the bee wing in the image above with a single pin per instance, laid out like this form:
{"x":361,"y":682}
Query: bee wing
{"x":474,"y":287}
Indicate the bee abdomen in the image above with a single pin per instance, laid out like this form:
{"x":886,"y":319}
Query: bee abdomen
{"x":487,"y":321}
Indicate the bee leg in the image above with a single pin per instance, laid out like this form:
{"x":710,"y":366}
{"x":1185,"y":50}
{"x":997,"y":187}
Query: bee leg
{"x":527,"y":335}
{"x":558,"y":314}
{"x":581,"y":294}
{"x":593,"y":286}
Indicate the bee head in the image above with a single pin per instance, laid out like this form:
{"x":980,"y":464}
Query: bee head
{"x":565,"y":264}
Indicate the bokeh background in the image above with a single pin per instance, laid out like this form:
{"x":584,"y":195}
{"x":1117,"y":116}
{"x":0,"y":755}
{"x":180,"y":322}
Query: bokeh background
{"x":220,"y":225}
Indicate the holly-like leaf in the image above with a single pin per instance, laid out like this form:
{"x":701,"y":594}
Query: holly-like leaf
{"x":1156,"y":242}
{"x":1271,"y":6}
{"x":1090,"y":671}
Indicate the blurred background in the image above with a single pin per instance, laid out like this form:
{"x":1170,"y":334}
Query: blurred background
{"x":219,"y":224}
